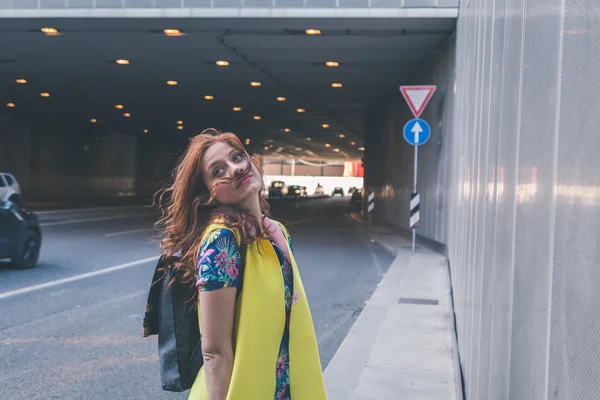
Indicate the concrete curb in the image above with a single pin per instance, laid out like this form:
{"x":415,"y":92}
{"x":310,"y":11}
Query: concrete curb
{"x":343,"y":372}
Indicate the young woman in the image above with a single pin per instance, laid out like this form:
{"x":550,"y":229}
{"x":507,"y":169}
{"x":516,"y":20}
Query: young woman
{"x":258,"y":339}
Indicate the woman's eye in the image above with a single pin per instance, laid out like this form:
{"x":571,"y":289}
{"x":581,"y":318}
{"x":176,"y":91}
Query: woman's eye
{"x":237,"y":157}
{"x":218,"y":171}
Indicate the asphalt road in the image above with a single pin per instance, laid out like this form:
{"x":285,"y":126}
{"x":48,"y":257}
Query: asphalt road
{"x":71,"y":327}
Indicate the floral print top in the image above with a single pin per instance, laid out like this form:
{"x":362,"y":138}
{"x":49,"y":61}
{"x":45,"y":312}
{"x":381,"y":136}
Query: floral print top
{"x":219,"y":266}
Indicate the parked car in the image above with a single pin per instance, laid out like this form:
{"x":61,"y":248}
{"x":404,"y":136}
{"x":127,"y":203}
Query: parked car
{"x":277,"y":189}
{"x":338,"y":190}
{"x":296,"y":191}
{"x":356,"y":196}
{"x":20,"y":235}
{"x":10,"y":189}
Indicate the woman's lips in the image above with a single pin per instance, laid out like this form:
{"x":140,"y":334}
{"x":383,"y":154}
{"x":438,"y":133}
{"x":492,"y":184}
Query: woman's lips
{"x":245,"y":179}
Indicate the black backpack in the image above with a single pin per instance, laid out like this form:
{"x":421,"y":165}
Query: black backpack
{"x":172,"y":316}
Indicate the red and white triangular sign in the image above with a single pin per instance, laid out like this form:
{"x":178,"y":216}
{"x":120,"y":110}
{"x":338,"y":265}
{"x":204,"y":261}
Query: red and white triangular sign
{"x":417,"y":97}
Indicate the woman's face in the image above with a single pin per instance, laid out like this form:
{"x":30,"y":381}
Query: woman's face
{"x":223,"y":161}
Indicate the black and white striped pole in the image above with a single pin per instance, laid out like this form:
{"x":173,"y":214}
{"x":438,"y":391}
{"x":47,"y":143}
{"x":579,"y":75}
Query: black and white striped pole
{"x":370,"y":206}
{"x":416,"y":133}
{"x":415,"y":215}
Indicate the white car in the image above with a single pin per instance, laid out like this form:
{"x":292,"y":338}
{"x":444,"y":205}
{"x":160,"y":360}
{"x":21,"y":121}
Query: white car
{"x":10,"y":189}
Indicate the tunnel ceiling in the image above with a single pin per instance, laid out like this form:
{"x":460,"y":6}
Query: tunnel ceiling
{"x":79,"y":71}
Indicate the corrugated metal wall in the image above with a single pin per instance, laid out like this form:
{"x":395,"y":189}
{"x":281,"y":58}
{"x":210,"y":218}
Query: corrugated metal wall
{"x":510,"y":182}
{"x":57,"y":4}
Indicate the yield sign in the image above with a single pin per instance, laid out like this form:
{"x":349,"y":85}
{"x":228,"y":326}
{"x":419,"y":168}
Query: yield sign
{"x":417,"y":97}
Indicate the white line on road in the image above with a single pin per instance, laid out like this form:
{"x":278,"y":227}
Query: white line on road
{"x":302,"y":221}
{"x":57,"y":282}
{"x":76,"y":210}
{"x":125,"y":232}
{"x":79,"y":221}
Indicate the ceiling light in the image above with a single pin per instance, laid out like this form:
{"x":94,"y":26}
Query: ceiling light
{"x":281,"y":99}
{"x":10,"y":105}
{"x":180,"y":127}
{"x":126,"y":115}
{"x":145,"y":130}
{"x":21,"y":80}
{"x":50,"y":31}
{"x":336,"y":85}
{"x":308,"y":139}
{"x":45,"y":94}
{"x":122,"y":62}
{"x":313,"y":32}
{"x":93,"y":120}
{"x":341,"y":136}
{"x":173,"y":32}
{"x":325,"y":126}
{"x":255,"y":84}
{"x":327,"y":145}
{"x":332,"y":64}
{"x":119,"y":106}
{"x":172,"y":83}
{"x":247,"y":142}
{"x":300,"y":110}
{"x":353,"y":143}
{"x":336,"y":150}
{"x":287,"y":130}
{"x":257,"y":117}
{"x":266,"y":147}
{"x":208,"y":97}
{"x":361,"y":148}
{"x":179,"y":122}
{"x":237,"y":108}
{"x":298,"y":148}
{"x":222,"y":63}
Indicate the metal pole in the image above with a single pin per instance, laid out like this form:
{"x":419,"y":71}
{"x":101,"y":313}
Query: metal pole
{"x":414,"y":230}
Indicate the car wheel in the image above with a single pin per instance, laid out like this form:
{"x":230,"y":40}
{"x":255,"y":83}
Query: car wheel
{"x":27,"y":251}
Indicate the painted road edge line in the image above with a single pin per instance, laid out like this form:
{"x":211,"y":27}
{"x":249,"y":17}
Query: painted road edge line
{"x":83,"y":209}
{"x":126,"y":232}
{"x":83,"y":220}
{"x":74,"y":278}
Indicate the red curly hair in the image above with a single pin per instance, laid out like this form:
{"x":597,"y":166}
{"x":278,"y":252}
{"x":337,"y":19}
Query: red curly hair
{"x":188,"y":206}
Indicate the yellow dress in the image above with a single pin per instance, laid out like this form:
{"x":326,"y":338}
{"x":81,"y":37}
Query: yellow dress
{"x":259,"y":324}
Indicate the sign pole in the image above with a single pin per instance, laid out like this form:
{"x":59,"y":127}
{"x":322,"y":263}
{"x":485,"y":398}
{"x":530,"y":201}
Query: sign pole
{"x":416,"y":133}
{"x":414,"y":229}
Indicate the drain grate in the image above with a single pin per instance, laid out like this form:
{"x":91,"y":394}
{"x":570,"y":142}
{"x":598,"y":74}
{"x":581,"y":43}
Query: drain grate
{"x":427,"y":302}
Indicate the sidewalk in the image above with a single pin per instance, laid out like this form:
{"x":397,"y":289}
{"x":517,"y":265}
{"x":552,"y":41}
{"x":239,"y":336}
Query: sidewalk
{"x":402,"y":344}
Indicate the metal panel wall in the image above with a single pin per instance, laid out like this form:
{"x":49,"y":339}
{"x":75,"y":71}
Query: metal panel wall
{"x":510,"y":184}
{"x":53,"y":4}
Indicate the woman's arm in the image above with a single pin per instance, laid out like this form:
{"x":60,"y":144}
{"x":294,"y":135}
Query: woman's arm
{"x":219,"y":268}
{"x":217,"y":309}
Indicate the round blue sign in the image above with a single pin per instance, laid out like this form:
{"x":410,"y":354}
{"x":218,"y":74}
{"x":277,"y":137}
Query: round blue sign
{"x":417,"y":132}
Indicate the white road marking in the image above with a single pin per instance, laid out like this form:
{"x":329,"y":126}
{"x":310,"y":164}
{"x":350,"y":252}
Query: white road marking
{"x":126,"y":232}
{"x":302,"y":221}
{"x":82,"y":220}
{"x":76,"y":210}
{"x":74,"y":278}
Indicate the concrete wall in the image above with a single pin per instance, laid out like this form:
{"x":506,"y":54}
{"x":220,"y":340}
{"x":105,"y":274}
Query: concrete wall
{"x":284,"y":167}
{"x":15,"y":150}
{"x":510,"y":184}
{"x":51,"y":163}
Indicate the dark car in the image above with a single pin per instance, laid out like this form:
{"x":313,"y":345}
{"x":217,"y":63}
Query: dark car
{"x":338,"y":190}
{"x":356,"y":196}
{"x":296,"y":191}
{"x":20,"y":235}
{"x":277,"y":189}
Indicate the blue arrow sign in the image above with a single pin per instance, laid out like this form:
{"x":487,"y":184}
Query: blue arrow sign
{"x":417,"y":132}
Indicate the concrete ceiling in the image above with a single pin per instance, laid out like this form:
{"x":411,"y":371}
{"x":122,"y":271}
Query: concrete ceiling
{"x":78,"y":69}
